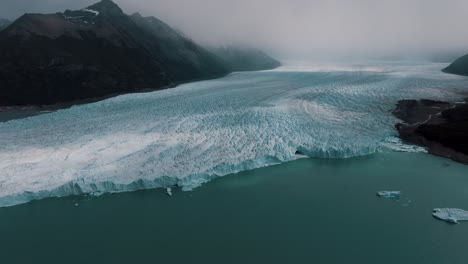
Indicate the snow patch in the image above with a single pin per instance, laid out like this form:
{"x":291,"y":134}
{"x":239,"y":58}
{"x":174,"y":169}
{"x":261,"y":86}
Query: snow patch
{"x":96,"y":13}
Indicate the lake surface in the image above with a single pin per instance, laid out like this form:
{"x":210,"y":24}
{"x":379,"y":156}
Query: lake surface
{"x":305,"y":211}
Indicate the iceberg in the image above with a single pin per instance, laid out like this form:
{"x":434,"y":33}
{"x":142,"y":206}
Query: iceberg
{"x":451,"y":215}
{"x":389,"y":194}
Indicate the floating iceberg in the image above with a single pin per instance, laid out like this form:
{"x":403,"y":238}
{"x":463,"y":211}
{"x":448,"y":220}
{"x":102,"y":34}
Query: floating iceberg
{"x":451,"y":215}
{"x":389,"y":194}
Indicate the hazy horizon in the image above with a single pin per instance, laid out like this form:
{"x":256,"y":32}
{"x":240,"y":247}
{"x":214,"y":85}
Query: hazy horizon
{"x":319,"y":28}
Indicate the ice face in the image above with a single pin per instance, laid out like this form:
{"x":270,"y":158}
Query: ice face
{"x":199,"y":131}
{"x":451,"y":215}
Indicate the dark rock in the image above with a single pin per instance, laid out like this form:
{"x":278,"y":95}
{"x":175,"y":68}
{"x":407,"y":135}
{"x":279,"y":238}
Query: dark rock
{"x":413,"y":111}
{"x":444,"y":132}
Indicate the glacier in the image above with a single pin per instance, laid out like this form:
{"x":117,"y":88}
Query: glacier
{"x":186,"y":136}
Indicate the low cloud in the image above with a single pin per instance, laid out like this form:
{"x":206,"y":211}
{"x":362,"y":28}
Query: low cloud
{"x":316,"y":27}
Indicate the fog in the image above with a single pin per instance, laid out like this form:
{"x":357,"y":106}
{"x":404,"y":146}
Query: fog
{"x":307,"y":27}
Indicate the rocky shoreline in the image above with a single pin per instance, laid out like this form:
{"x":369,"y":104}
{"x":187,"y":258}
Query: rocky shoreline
{"x":442,"y":127}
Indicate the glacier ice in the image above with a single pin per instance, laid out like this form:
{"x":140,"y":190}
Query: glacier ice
{"x":451,"y":215}
{"x":396,"y":144}
{"x":200,"y":131}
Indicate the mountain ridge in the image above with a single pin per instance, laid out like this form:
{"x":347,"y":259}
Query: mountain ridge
{"x":458,"y":67}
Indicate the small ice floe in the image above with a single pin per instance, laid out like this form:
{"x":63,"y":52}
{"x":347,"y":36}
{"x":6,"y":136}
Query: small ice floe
{"x":451,"y":215}
{"x":97,"y":194}
{"x":389,"y":194}
{"x":169,"y":191}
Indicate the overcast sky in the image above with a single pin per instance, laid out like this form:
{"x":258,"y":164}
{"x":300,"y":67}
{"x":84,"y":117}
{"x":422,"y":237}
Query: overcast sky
{"x":298,"y":26}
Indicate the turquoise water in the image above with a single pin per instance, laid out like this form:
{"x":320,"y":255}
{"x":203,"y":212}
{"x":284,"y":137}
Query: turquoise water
{"x":304,"y":211}
{"x":200,"y":131}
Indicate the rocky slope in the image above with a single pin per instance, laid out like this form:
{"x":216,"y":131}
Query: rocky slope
{"x":440,"y":126}
{"x":460,"y":66}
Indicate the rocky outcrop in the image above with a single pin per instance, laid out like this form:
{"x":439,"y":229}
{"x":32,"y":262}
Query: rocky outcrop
{"x":440,"y":126}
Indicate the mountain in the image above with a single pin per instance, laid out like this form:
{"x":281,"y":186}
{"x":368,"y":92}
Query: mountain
{"x":245,"y":59}
{"x":4,"y":23}
{"x":460,"y":66}
{"x":94,"y":52}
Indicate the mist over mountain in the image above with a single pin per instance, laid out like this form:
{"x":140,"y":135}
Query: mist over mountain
{"x":4,"y":23}
{"x":244,"y":59}
{"x":447,"y":56}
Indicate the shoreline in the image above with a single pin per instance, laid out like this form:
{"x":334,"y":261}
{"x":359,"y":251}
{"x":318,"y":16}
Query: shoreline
{"x":439,"y":126}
